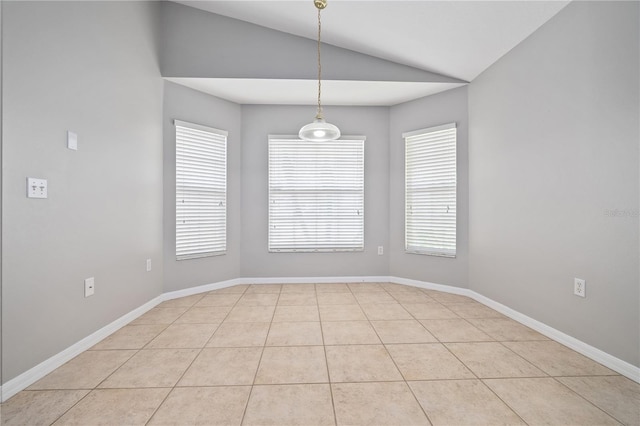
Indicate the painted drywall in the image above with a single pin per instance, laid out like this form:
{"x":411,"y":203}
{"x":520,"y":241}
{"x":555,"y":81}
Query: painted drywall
{"x":443,"y":108}
{"x":260,"y":121}
{"x":1,"y":192}
{"x":202,"y":44}
{"x":66,"y":67}
{"x":553,"y":182}
{"x":181,"y":103}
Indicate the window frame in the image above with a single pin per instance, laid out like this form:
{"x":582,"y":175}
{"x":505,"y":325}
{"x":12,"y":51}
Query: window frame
{"x":212,"y":188}
{"x":431,"y":190}
{"x":275,"y":243}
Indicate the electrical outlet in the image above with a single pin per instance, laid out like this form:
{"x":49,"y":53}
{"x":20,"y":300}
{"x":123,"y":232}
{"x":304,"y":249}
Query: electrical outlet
{"x":579,"y":287}
{"x":380,"y":250}
{"x":148,"y":265}
{"x":89,"y":287}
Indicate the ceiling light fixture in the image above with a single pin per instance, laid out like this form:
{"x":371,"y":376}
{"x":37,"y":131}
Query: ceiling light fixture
{"x":319,"y":130}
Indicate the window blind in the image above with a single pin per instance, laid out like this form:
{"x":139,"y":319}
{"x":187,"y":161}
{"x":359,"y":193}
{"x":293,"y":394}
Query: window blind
{"x":430,"y":191}
{"x":316,"y":195}
{"x":201,"y":191}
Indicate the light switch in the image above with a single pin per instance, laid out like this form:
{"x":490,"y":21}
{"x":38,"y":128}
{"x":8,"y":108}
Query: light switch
{"x":89,"y":287}
{"x":72,"y":140}
{"x":36,"y":188}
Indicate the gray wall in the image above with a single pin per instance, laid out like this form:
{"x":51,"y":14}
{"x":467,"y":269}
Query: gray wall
{"x":554,"y":133}
{"x":66,"y":67}
{"x":189,"y":105}
{"x":445,"y":107}
{"x":1,"y":192}
{"x":260,"y":121}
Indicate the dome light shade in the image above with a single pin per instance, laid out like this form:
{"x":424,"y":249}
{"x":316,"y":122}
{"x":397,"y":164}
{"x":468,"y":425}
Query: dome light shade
{"x":319,"y":131}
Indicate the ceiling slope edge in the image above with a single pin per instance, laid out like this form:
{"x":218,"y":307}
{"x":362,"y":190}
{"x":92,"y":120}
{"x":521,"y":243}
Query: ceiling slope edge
{"x":200,"y":44}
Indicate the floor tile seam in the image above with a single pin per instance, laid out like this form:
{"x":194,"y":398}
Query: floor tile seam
{"x":588,"y":400}
{"x":199,"y":323}
{"x":547,"y":378}
{"x":381,"y":341}
{"x":137,"y":351}
{"x":255,"y":375}
{"x":525,"y":359}
{"x":414,"y":319}
{"x":460,"y":361}
{"x":160,"y":405}
{"x":591,"y":375}
{"x":478,"y":328}
{"x":132,"y":388}
{"x":443,"y":342}
{"x":171,"y":323}
{"x":97,"y":387}
{"x":326,"y":361}
{"x":474,"y":373}
{"x":404,"y":379}
{"x":73,"y":405}
{"x":199,"y":352}
{"x":513,"y":410}
{"x":213,"y":386}
{"x":501,"y":399}
{"x":415,"y":397}
{"x":133,"y":349}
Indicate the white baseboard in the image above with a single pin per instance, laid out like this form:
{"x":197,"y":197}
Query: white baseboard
{"x":201,"y":289}
{"x":615,"y":364}
{"x":34,"y":374}
{"x":430,"y":286}
{"x":314,"y":280}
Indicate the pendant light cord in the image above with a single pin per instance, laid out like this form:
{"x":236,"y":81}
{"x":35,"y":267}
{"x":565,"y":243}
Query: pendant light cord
{"x":319,"y":115}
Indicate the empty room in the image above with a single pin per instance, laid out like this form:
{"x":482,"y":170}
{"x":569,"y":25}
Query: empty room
{"x":320,"y":212}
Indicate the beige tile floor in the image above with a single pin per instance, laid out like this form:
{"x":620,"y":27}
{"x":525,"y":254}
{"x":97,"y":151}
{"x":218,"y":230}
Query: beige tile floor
{"x":304,"y":354}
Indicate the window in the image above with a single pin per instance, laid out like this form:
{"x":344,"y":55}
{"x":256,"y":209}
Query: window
{"x":430,"y":191}
{"x":201,"y":191}
{"x":316,"y":195}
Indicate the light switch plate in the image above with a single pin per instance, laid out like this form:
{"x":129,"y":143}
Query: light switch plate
{"x":72,"y":140}
{"x":89,"y":287}
{"x":36,"y":188}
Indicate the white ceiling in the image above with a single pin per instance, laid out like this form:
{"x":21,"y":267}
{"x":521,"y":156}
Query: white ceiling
{"x":455,"y":38}
{"x":304,"y":92}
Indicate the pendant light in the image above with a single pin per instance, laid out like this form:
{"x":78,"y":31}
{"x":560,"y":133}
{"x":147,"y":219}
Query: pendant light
{"x":319,"y":130}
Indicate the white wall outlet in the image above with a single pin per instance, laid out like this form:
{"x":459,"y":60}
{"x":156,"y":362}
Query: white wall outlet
{"x":89,"y":286}
{"x":380,"y":250}
{"x":36,"y":188}
{"x":579,"y":287}
{"x":148,"y":265}
{"x":72,"y":140}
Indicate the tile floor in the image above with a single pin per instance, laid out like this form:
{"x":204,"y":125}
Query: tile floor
{"x":348,"y":354}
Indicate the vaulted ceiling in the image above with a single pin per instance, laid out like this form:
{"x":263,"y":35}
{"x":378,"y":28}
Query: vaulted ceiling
{"x":457,"y":40}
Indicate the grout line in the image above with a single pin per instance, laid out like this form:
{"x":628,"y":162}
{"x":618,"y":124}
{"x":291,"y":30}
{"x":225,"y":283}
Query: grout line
{"x":404,"y":379}
{"x":117,"y":368}
{"x":326,"y":362}
{"x":587,"y":399}
{"x":244,"y":412}
{"x":320,"y":321}
{"x":195,"y":357}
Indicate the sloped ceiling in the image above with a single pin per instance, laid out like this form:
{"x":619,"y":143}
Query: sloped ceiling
{"x":457,"y":40}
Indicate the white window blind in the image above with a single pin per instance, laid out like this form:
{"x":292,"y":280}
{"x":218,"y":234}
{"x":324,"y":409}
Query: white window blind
{"x":201,"y":191}
{"x":316,"y":195}
{"x":430,"y":191}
